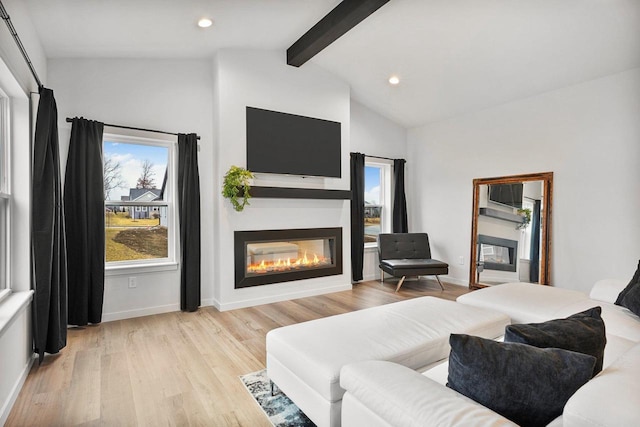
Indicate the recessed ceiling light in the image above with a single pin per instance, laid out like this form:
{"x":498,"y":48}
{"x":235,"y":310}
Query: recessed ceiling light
{"x":205,"y":23}
{"x":394,"y":80}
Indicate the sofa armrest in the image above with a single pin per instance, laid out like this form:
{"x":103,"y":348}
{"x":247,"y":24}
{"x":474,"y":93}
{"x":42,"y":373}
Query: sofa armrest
{"x":607,"y":290}
{"x":403,"y":397}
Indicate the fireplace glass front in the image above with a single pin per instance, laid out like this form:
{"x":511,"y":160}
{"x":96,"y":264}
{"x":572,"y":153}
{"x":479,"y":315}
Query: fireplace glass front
{"x":496,"y":253}
{"x":272,"y":256}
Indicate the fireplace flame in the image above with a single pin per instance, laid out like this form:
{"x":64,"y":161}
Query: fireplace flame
{"x":288,"y":264}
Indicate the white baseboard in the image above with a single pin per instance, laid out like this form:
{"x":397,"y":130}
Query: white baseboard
{"x":250,"y":302}
{"x":369,"y":277}
{"x":454,"y":281}
{"x":130,"y":314}
{"x":207,"y":302}
{"x":15,"y":391}
{"x":147,"y":311}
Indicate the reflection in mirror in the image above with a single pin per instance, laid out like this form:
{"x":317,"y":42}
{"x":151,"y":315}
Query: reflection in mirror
{"x":510,"y":237}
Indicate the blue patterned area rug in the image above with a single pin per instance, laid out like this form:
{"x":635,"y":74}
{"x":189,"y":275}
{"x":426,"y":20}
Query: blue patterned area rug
{"x":280,"y":410}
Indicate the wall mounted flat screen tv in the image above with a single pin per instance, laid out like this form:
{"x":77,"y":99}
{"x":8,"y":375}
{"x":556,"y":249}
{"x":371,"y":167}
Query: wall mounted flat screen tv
{"x":507,"y":194}
{"x":289,"y":144}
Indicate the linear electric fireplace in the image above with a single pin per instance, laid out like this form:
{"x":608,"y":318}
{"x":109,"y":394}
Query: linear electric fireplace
{"x":497,"y":253}
{"x":273,"y":256}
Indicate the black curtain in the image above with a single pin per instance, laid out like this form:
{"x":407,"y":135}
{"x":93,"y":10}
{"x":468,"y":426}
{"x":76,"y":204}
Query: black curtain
{"x":357,"y":215}
{"x":84,"y":219}
{"x":48,"y":249}
{"x":400,"y":224}
{"x":534,"y":266}
{"x":189,"y":213}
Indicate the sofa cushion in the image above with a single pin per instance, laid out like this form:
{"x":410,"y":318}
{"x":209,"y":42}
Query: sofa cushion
{"x":618,"y":320}
{"x":414,"y":263}
{"x":610,"y":399}
{"x":528,"y":303}
{"x":582,"y":332}
{"x":402,"y":397}
{"x":414,"y":333}
{"x":525,"y":384}
{"x":607,"y":290}
{"x":635,"y":281}
{"x":524,"y":302}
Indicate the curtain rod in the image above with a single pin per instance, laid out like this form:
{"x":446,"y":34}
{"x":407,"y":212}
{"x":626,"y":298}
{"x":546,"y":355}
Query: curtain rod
{"x":69,"y":120}
{"x":379,"y":157}
{"x":12,"y":30}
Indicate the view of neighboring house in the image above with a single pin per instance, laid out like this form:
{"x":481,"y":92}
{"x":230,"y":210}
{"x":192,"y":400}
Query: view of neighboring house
{"x":142,"y":195}
{"x":145,"y":212}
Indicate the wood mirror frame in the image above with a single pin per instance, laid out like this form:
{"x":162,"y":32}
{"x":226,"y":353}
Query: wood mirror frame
{"x":545,"y":222}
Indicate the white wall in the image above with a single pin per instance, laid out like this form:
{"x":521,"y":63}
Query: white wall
{"x":262,"y":79}
{"x":376,"y":135}
{"x":209,"y":97}
{"x":587,"y":134}
{"x":19,"y":13}
{"x":171,"y":95}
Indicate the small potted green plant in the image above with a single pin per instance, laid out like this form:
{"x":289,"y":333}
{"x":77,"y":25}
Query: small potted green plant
{"x":237,"y":182}
{"x":526,"y":218}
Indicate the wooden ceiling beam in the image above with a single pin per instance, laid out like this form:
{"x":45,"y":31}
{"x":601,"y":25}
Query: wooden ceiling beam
{"x":341,"y":19}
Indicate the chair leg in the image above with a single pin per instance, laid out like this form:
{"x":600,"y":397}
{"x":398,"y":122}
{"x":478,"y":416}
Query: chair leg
{"x":381,"y":276}
{"x":400,"y":283}
{"x":274,"y":389}
{"x":439,"y":282}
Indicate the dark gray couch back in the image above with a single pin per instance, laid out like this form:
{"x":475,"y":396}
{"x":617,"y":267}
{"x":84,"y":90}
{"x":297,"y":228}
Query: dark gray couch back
{"x":403,"y":245}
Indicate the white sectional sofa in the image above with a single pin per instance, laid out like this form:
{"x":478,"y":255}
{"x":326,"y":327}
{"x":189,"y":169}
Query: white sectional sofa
{"x":304,"y":360}
{"x":381,"y":393}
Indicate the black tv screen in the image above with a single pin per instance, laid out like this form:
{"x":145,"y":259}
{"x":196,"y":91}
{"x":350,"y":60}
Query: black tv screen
{"x":507,"y":194}
{"x":289,"y":144}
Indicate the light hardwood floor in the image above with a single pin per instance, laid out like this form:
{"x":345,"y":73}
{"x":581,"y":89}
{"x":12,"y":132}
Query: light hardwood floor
{"x":178,"y":369}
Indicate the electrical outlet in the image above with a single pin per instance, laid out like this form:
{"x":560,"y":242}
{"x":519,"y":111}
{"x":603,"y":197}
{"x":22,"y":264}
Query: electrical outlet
{"x":133,"y":282}
{"x":461,"y":260}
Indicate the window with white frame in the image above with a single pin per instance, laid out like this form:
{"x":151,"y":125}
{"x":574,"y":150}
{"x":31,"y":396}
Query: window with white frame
{"x":139,"y":201}
{"x":377,"y":200}
{"x":5,"y":195}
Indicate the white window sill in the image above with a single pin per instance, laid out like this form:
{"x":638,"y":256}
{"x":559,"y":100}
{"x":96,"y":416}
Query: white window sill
{"x":4,"y":294}
{"x":369,"y":247}
{"x":123,"y":270}
{"x":11,"y":305}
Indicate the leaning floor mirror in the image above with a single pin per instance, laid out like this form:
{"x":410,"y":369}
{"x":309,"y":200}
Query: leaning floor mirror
{"x":511,"y":230}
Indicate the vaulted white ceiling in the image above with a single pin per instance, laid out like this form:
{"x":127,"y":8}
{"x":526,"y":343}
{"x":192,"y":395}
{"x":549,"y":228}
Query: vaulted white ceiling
{"x":452,"y":56}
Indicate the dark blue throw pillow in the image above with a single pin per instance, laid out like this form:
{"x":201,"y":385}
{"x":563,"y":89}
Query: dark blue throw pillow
{"x":582,"y":332}
{"x":525,"y":384}
{"x":634,"y":283}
